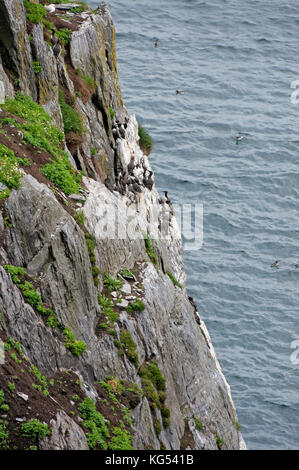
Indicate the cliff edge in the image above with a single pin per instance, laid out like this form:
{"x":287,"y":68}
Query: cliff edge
{"x":102,"y":347}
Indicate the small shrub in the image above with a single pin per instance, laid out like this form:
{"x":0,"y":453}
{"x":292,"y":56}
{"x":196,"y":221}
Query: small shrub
{"x":37,"y":67}
{"x":3,"y":405}
{"x":219,"y":442}
{"x":198,"y":424}
{"x":71,"y":118}
{"x":129,"y":346}
{"x":4,"y":437}
{"x":121,"y":440}
{"x":11,"y":386}
{"x":136,"y":306}
{"x":111,"y":283}
{"x":64,"y":34}
{"x":173,"y":279}
{"x":35,"y":12}
{"x":76,"y":347}
{"x":149,"y":249}
{"x":4,"y":194}
{"x":112,"y":113}
{"x":79,"y":217}
{"x":94,"y":422}
{"x":93,"y":151}
{"x":35,"y":429}
{"x":9,"y":168}
{"x":145,"y":140}
{"x":62,"y":174}
{"x":126,"y":274}
{"x":15,"y":272}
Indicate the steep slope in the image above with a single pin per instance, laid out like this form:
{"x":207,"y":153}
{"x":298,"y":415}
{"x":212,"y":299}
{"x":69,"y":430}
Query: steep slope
{"x":103,"y":346}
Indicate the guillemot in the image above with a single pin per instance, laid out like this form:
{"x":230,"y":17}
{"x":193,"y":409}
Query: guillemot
{"x":275,"y":264}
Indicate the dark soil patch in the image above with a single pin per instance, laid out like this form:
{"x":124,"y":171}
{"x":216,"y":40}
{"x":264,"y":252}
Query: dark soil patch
{"x":62,"y":387}
{"x":38,"y":405}
{"x":73,"y":141}
{"x":82,"y":90}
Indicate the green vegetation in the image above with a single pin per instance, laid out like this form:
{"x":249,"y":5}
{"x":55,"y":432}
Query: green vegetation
{"x":15,"y":272}
{"x":34,"y":299}
{"x":95,"y":423}
{"x":11,"y":386}
{"x":90,"y":82}
{"x":91,"y":244}
{"x":9,"y":168}
{"x":219,"y":442}
{"x":112,"y":284}
{"x":62,"y":175}
{"x":71,"y":118}
{"x":129,"y":346}
{"x":154,"y":385}
{"x":34,"y":429}
{"x":3,"y":405}
{"x":79,"y":217}
{"x":149,"y":249}
{"x":4,"y":194}
{"x":107,"y":310}
{"x":127,"y":274}
{"x":37,"y":67}
{"x":112,"y":113}
{"x":198,"y":424}
{"x":145,"y":141}
{"x":121,"y":440}
{"x":93,"y":151}
{"x":136,"y":306}
{"x":64,"y":34}
{"x":42,"y":380}
{"x":76,"y":347}
{"x":40,"y":133}
{"x":152,"y":372}
{"x":4,"y":440}
{"x":35,"y":12}
{"x":173,"y":279}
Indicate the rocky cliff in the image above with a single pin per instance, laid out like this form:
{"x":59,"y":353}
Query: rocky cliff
{"x":103,"y":348}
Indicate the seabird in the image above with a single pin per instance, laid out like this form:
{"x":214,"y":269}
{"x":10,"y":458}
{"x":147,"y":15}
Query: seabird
{"x":57,"y":49}
{"x":167,"y":200}
{"x":116,"y":133}
{"x":179,"y":92}
{"x":54,"y":39}
{"x":238,"y":138}
{"x":148,"y":182}
{"x":156,"y":42}
{"x":122,"y":131}
{"x":131,"y":165}
{"x":273,"y":265}
{"x":50,"y":8}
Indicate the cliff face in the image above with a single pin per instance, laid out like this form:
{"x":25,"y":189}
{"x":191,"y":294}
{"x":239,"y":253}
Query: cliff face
{"x":102,"y":343}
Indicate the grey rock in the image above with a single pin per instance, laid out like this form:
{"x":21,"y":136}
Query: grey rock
{"x":66,"y":434}
{"x":23,"y":396}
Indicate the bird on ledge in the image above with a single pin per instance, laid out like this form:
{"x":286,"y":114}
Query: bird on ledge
{"x":50,"y":8}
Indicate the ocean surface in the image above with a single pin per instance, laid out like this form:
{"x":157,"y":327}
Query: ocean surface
{"x":235,"y":61}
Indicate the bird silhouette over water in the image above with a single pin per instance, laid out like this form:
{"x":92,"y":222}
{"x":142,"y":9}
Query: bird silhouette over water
{"x":275,"y":264}
{"x":239,"y":138}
